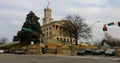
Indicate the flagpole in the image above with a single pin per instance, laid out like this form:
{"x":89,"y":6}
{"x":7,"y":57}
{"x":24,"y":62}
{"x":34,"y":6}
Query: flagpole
{"x":48,"y":3}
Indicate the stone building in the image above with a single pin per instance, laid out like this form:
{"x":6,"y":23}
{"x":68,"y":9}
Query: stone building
{"x":52,"y":29}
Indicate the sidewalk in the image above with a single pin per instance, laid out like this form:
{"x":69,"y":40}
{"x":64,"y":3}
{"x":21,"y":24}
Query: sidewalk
{"x":116,"y":59}
{"x":53,"y":55}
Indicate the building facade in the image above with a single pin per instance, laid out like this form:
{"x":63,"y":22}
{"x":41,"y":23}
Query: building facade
{"x":52,"y":30}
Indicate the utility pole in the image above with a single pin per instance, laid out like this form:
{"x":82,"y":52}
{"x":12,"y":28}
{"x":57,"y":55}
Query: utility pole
{"x":92,"y":30}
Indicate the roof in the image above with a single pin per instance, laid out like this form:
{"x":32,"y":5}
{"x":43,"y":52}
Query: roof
{"x":56,"y":22}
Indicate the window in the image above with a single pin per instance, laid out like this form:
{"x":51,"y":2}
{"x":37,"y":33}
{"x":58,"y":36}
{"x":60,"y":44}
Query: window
{"x":44,"y":35}
{"x":68,"y":40}
{"x":57,"y":38}
{"x":50,"y":33}
{"x":50,"y":28}
{"x":61,"y":39}
{"x":57,"y":27}
{"x":60,"y":28}
{"x":53,"y":25}
{"x":47,"y":29}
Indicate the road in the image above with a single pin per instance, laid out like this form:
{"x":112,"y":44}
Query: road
{"x":12,"y":58}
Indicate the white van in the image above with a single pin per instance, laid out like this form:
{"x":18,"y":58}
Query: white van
{"x":1,"y":51}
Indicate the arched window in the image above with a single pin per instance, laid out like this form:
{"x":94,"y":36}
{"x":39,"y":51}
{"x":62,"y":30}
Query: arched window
{"x":60,"y":39}
{"x":67,"y":40}
{"x":57,"y":38}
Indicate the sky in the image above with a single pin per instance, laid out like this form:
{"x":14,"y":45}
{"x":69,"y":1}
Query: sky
{"x":13,"y":14}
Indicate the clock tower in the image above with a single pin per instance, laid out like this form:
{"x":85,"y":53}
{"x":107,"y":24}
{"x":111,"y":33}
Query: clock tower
{"x":47,"y":16}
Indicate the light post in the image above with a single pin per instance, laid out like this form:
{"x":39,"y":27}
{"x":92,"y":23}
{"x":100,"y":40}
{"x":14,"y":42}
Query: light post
{"x":92,"y":30}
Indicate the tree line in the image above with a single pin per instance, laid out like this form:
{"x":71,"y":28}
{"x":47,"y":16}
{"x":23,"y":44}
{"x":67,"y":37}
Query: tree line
{"x":109,"y":40}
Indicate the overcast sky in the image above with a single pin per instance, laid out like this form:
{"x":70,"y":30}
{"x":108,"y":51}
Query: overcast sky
{"x":13,"y":14}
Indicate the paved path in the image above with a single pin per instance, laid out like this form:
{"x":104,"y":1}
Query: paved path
{"x":12,"y":58}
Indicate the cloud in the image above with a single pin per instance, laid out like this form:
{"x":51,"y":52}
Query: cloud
{"x":84,"y":11}
{"x":20,"y":3}
{"x":13,"y":13}
{"x":93,"y":1}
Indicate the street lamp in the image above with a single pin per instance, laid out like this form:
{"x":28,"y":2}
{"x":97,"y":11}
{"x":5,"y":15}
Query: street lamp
{"x":92,"y":30}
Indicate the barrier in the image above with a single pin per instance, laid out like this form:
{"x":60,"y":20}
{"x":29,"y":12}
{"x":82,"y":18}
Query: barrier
{"x":117,"y":53}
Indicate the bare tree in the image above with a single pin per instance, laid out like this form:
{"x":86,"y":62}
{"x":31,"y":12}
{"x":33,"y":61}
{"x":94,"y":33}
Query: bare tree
{"x":111,"y":41}
{"x":107,"y":36}
{"x":79,"y":28}
{"x":118,"y":42}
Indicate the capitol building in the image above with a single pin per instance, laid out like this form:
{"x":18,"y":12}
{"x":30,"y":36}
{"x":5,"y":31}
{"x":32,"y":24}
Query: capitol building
{"x":52,"y":29}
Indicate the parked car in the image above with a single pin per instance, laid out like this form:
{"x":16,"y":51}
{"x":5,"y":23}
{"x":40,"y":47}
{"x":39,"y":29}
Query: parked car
{"x":98,"y":52}
{"x":110,"y":52}
{"x":88,"y":51}
{"x":20,"y":51}
{"x":84,"y":52}
{"x":102,"y":52}
{"x":1,"y":51}
{"x":8,"y":51}
{"x":81,"y":52}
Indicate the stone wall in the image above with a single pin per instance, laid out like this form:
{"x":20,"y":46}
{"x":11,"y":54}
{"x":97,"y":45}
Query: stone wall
{"x":71,"y":51}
